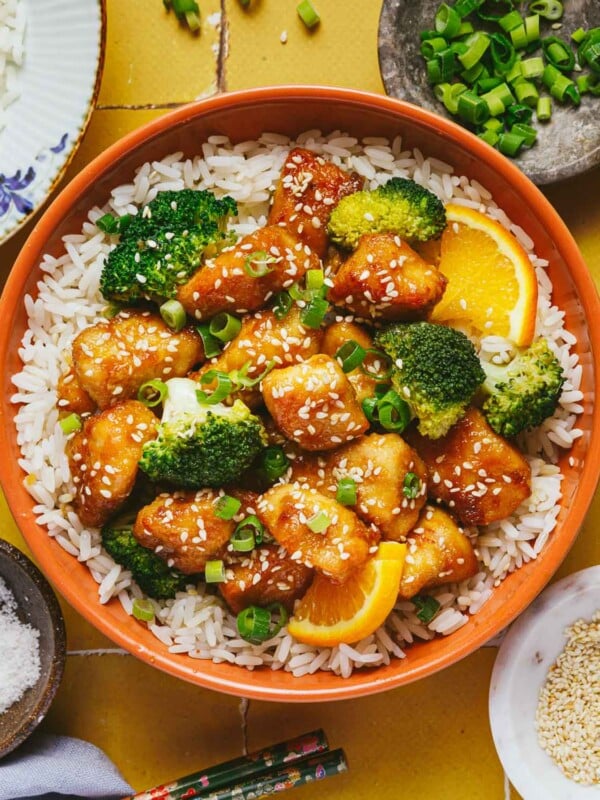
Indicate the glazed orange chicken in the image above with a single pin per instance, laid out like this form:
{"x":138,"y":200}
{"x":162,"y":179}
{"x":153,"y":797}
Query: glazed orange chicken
{"x":292,"y":394}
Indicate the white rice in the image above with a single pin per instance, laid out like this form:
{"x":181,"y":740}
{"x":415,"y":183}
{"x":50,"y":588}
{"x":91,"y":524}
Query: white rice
{"x":12,"y":51}
{"x":68,"y":300}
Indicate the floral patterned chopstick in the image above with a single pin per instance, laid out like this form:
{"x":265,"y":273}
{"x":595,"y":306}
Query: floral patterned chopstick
{"x":283,"y":761}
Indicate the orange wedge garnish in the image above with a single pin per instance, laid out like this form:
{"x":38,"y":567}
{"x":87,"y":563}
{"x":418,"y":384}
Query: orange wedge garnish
{"x":492,"y":286}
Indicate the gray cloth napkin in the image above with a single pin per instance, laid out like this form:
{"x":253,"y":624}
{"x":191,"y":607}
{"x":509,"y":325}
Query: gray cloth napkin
{"x":57,"y":768}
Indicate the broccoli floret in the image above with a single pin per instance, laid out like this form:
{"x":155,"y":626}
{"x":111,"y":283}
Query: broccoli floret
{"x":162,"y":246}
{"x":399,"y":206}
{"x":522,"y":393}
{"x":435,"y":370}
{"x":149,"y":571}
{"x":200,"y":445}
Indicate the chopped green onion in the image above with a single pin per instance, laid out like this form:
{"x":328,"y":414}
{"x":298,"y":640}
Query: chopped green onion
{"x":471,"y":75}
{"x":447,"y":21}
{"x":212,"y":345}
{"x":426,"y":607}
{"x":308,"y":13}
{"x":376,"y":365}
{"x":350,"y":355}
{"x":186,"y":10}
{"x":473,"y":109}
{"x":591,"y":55}
{"x":346,"y":491}
{"x":251,"y":525}
{"x":544,"y":109}
{"x":319,"y":522}
{"x":510,"y":21}
{"x":242,"y":540}
{"x":222,"y":390}
{"x":315,"y":280}
{"x":369,"y":407}
{"x":494,"y":103}
{"x":558,"y":53}
{"x":526,"y":92}
{"x":152,"y":393}
{"x":70,"y":424}
{"x":143,"y":609}
{"x":572,"y":92}
{"x":173,"y":314}
{"x":393,"y":412}
{"x":510,"y":144}
{"x":484,"y":85}
{"x":224,"y":327}
{"x":518,"y":113}
{"x":490,"y":137}
{"x":108,"y":224}
{"x":465,"y":7}
{"x":214,"y":571}
{"x":502,"y":53}
{"x":518,"y":37}
{"x":579,"y":35}
{"x":255,"y":624}
{"x":240,"y":377}
{"x":258,"y":264}
{"x":526,"y":131}
{"x":493,"y":124}
{"x":549,"y":9}
{"x":273,"y":463}
{"x":532,"y":29}
{"x":227,"y":507}
{"x":411,"y":485}
{"x":465,"y":28}
{"x":477,"y":44}
{"x":532,"y":68}
{"x":313,"y":315}
{"x":283,"y":304}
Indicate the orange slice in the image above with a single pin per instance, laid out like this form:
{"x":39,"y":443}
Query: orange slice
{"x":331,"y":613}
{"x":492,"y":285}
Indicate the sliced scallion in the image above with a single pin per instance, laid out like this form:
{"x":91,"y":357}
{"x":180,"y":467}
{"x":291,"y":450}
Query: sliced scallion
{"x":143,"y":609}
{"x":273,"y":463}
{"x":214,"y":571}
{"x":319,"y":522}
{"x":346,"y":491}
{"x":510,"y":144}
{"x":242,"y":540}
{"x":313,"y":315}
{"x":549,"y":9}
{"x":255,"y":624}
{"x":472,"y":109}
{"x":212,"y":345}
{"x":173,"y":314}
{"x":393,"y":412}
{"x":227,"y":507}
{"x":308,"y":13}
{"x":152,"y":393}
{"x":70,"y":424}
{"x":258,"y":264}
{"x":224,"y":387}
{"x":108,"y":224}
{"x":558,"y":53}
{"x":544,"y":109}
{"x":426,"y":607}
{"x":376,"y":365}
{"x":411,"y":485}
{"x":282,"y":306}
{"x":251,"y":525}
{"x":225,"y":327}
{"x":447,"y":21}
{"x":350,"y":355}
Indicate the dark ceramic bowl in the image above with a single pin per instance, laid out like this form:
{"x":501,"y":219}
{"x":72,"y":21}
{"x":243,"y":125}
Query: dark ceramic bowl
{"x":38,"y":607}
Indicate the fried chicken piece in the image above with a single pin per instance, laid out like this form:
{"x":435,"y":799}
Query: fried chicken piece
{"x":438,"y":553}
{"x":313,"y":404}
{"x":112,"y":360}
{"x":337,"y":335}
{"x":379,"y":464}
{"x":72,"y":397}
{"x":103,"y":458}
{"x":264,"y":576}
{"x":342,"y":547}
{"x":264,"y":338}
{"x":223,"y":283}
{"x":475,"y":472}
{"x":183,"y":529}
{"x":309,"y":188}
{"x":385,"y":279}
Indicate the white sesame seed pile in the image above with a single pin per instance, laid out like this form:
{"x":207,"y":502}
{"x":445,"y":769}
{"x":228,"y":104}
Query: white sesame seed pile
{"x":568,"y":713}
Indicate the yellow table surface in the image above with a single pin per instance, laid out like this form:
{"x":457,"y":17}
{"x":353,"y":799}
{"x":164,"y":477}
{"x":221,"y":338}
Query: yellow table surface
{"x":427,"y":740}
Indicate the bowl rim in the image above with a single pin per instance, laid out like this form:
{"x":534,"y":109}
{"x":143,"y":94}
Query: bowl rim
{"x":54,"y":676}
{"x":220,"y":679}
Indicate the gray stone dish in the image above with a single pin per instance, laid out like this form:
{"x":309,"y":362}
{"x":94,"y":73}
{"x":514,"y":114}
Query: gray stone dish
{"x":567,"y":145}
{"x":37,"y":606}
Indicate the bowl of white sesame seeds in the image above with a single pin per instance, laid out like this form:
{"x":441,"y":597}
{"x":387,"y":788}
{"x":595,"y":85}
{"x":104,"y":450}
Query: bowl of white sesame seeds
{"x":544,"y":695}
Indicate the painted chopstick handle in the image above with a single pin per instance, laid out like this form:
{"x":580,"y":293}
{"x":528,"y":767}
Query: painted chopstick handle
{"x":199,"y":784}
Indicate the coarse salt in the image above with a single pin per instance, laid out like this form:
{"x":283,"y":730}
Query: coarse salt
{"x":19,"y":652}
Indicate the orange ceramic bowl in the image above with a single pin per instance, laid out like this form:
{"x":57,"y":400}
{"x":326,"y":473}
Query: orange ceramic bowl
{"x":290,"y":110}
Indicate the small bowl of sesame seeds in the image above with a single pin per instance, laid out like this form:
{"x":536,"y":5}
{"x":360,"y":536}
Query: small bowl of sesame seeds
{"x":32,"y":647}
{"x":545,"y":693}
